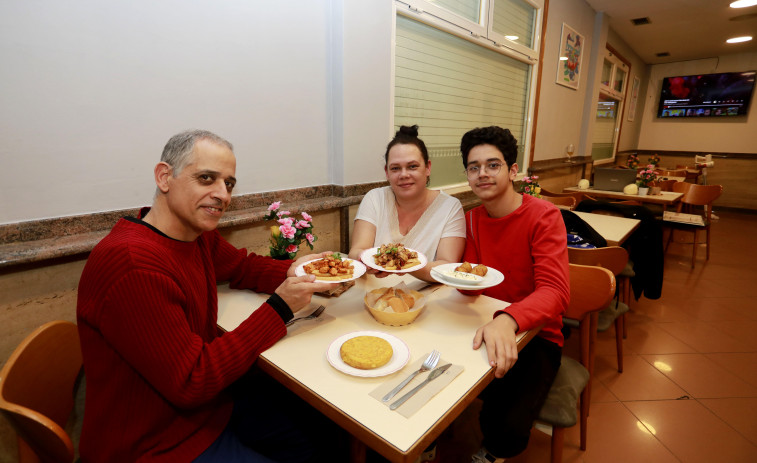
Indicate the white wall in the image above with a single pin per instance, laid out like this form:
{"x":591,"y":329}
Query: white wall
{"x":727,"y":134}
{"x":91,"y":91}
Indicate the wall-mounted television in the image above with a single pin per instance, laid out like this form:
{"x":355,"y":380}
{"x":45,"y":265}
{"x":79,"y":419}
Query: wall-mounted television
{"x":706,"y":95}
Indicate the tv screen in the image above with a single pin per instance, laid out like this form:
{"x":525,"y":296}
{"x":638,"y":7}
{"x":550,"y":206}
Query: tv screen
{"x":706,"y":95}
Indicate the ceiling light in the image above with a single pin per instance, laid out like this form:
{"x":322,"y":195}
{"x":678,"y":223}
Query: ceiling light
{"x":740,"y":39}
{"x":563,"y":58}
{"x":743,"y":3}
{"x":515,"y":37}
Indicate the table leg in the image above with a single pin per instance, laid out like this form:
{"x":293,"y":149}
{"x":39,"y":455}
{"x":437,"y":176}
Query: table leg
{"x":357,"y":450}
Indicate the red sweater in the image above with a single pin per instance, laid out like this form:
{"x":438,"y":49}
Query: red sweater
{"x":529,"y":246}
{"x":155,"y":364}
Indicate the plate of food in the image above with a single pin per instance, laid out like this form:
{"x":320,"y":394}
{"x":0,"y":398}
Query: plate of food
{"x":332,"y":269}
{"x":464,"y":275}
{"x":393,"y":258}
{"x":368,"y":354}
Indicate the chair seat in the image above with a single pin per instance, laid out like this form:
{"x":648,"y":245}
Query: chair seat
{"x":607,"y":316}
{"x":561,"y":406}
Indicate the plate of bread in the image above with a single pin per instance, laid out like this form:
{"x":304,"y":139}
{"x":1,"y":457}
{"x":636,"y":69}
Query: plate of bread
{"x":464,"y":275}
{"x":332,"y":269}
{"x":393,"y":258}
{"x":368,"y":354}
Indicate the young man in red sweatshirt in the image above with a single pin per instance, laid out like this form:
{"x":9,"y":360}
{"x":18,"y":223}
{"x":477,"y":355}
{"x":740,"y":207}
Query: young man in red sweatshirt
{"x":158,"y":373}
{"x":524,"y":238}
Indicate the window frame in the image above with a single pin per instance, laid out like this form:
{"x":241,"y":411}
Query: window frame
{"x":608,"y":91}
{"x":446,"y":21}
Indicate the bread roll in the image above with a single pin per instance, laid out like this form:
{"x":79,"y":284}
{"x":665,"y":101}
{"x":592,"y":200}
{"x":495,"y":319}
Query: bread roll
{"x":398,"y":305}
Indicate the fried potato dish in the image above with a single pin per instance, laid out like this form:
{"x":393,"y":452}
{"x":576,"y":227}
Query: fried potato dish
{"x":398,"y":300}
{"x":366,"y":352}
{"x":479,"y":269}
{"x":395,"y":256}
{"x":330,"y":268}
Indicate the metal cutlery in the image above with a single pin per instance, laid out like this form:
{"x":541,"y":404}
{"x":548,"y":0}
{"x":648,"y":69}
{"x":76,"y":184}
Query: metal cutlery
{"x":429,"y":363}
{"x":316,"y":313}
{"x":432,"y":376}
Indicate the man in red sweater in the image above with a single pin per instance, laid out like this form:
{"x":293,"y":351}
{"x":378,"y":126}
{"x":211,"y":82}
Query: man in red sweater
{"x":158,"y":373}
{"x":524,"y":238}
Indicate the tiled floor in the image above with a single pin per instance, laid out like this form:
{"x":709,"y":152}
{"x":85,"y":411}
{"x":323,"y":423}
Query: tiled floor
{"x":688,"y":392}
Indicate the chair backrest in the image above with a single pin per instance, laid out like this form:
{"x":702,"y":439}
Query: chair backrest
{"x":566,"y":201}
{"x":591,"y":289}
{"x":613,"y":258}
{"x":681,"y":187}
{"x":666,"y":185}
{"x":673,"y":173}
{"x":702,"y":195}
{"x":572,"y":194}
{"x":37,"y":390}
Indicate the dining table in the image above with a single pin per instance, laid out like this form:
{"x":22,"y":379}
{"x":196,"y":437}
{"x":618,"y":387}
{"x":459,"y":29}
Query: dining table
{"x":615,"y":230}
{"x":665,"y":198}
{"x":302,"y":363}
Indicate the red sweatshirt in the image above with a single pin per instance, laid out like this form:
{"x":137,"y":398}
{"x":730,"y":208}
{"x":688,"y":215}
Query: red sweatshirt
{"x":155,"y":365}
{"x":529,"y":246}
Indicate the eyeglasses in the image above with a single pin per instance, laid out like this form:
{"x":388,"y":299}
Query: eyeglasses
{"x":491,"y":168}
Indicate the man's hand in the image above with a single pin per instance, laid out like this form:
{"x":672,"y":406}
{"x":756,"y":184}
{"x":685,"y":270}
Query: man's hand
{"x":501,"y":348}
{"x":306,"y":258}
{"x":297,"y":291}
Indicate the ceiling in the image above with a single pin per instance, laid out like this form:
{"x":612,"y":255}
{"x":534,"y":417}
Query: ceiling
{"x":687,"y":29}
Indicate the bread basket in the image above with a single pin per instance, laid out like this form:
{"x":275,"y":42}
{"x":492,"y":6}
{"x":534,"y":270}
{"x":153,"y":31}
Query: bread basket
{"x":388,"y":316}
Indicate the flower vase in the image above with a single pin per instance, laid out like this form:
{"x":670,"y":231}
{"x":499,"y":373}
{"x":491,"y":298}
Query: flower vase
{"x":655,"y":191}
{"x":643,"y":190}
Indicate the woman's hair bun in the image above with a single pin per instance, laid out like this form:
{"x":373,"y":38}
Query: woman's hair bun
{"x":411,"y":131}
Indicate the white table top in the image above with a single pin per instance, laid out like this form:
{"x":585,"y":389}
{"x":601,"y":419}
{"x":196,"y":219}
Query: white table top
{"x":615,"y":230}
{"x":666,"y":198}
{"x":448,"y":323}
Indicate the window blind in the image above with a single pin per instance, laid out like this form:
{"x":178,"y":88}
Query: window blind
{"x":447,"y":86}
{"x":515,"y":18}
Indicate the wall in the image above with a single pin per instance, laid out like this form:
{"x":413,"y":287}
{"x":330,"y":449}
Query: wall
{"x":92,"y":90}
{"x":724,"y":135}
{"x":560,"y":108}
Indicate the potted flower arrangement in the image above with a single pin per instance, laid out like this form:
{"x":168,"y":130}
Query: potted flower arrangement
{"x":530,"y":186}
{"x":290,"y":232}
{"x":633,"y":161}
{"x":654,"y":160}
{"x":646,"y":178}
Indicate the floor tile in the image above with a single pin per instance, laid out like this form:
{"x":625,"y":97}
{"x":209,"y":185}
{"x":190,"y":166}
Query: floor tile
{"x":639,"y":380}
{"x":742,"y":365}
{"x":742,"y":330}
{"x":739,"y":413}
{"x":701,"y":377}
{"x":692,"y":432}
{"x":703,"y":338}
{"x":650,"y":338}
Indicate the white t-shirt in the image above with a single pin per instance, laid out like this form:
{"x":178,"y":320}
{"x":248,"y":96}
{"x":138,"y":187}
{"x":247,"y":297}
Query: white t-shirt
{"x":443,"y":218}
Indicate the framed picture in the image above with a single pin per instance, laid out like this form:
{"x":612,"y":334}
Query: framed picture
{"x":634,"y":98}
{"x":569,"y":64}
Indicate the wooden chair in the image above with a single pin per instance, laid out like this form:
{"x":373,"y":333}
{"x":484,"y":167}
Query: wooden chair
{"x":567,"y":202}
{"x":673,"y":173}
{"x":591,"y":288}
{"x":697,"y":195}
{"x":614,"y":259}
{"x":37,"y":391}
{"x":574,"y":194}
{"x":666,"y":185}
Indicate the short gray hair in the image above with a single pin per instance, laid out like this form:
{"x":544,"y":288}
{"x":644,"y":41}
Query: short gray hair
{"x":179,"y":148}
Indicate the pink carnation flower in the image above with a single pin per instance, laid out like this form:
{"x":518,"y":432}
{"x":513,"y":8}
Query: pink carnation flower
{"x":283,"y":213}
{"x":291,"y":248}
{"x":286,"y":221}
{"x":288,"y":231}
{"x":309,"y":237}
{"x":274,"y":206}
{"x":302,"y":224}
{"x":307,"y":217}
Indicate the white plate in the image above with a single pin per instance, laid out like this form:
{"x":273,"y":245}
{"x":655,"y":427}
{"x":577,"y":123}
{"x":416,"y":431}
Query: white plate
{"x":454,"y":278}
{"x":367,"y":258}
{"x":359,"y":270}
{"x":400,"y":355}
{"x":493,"y":277}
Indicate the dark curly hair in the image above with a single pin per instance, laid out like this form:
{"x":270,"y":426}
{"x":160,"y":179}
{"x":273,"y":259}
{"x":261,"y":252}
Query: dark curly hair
{"x":407,"y":136}
{"x":498,"y":137}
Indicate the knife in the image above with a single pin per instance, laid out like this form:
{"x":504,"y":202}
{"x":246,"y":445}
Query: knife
{"x":432,"y":376}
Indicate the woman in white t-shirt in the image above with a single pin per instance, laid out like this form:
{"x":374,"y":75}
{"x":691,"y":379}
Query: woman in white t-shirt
{"x":407,"y":212}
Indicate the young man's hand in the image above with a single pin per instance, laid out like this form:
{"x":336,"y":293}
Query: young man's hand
{"x":501,"y":346}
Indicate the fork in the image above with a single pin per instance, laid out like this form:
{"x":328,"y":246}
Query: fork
{"x":429,"y":363}
{"x":316,"y":313}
